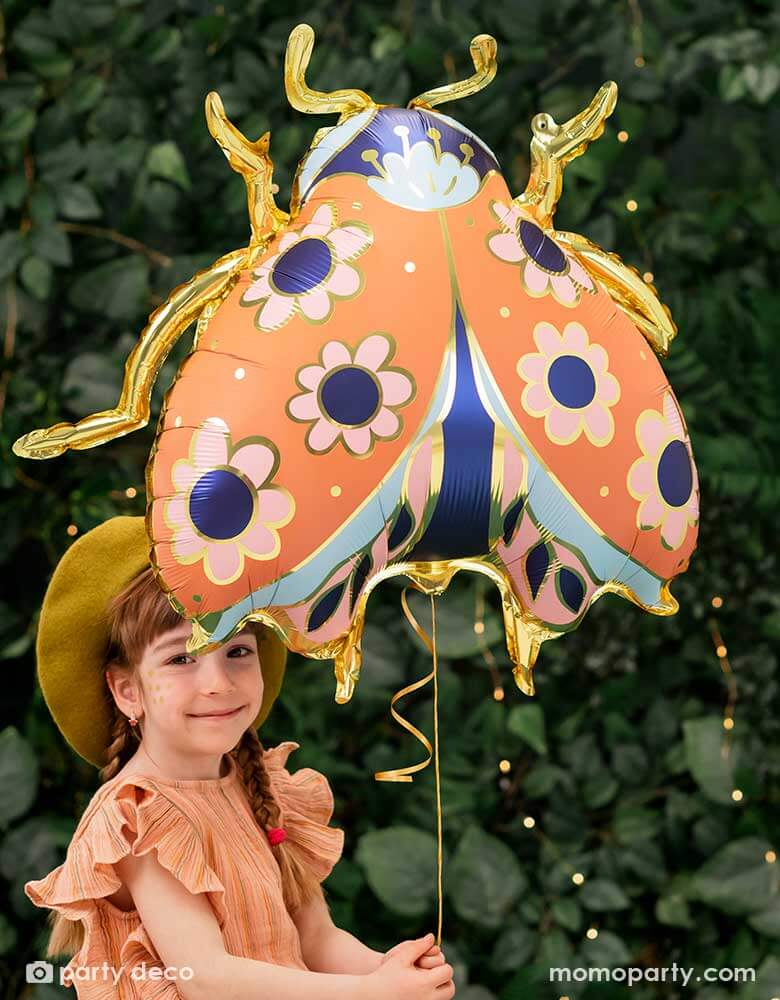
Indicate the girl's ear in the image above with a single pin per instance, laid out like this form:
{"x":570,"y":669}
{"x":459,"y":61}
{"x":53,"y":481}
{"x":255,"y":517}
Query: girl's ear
{"x":123,"y":687}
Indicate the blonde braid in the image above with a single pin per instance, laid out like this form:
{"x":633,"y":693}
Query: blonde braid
{"x":299,"y":884}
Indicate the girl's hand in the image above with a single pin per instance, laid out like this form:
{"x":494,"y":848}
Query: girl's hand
{"x":433,"y":957}
{"x":399,"y":977}
{"x":430,"y":959}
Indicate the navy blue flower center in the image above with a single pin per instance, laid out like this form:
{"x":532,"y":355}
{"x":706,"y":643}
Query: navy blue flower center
{"x":302,"y":267}
{"x":221,"y":504}
{"x":541,"y":248}
{"x":350,"y":395}
{"x":571,"y":381}
{"x":675,"y":476}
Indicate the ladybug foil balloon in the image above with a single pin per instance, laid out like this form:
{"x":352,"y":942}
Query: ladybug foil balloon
{"x":411,"y":372}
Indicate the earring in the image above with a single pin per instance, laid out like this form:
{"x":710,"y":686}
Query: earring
{"x":132,"y":720}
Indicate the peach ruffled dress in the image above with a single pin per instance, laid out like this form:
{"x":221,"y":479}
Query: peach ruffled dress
{"x":205,"y":834}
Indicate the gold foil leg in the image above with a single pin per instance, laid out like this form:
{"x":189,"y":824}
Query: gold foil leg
{"x":253,"y":161}
{"x":483,"y":54}
{"x":523,"y":640}
{"x":554,"y":146}
{"x":527,"y":649}
{"x":300,"y":43}
{"x":165,"y":326}
{"x":637,"y":298}
{"x":347,"y":663}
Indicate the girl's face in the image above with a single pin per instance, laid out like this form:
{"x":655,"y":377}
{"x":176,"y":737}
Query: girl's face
{"x":185,"y":697}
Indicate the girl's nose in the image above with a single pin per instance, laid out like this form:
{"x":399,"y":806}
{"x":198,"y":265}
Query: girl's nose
{"x":215,"y":674}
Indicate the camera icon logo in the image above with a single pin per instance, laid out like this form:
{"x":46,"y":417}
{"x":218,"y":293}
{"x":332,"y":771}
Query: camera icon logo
{"x":39,"y":972}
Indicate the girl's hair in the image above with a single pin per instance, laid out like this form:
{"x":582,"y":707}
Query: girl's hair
{"x":138,"y":615}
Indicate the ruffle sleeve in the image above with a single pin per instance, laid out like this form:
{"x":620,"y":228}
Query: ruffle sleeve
{"x":306,"y":804}
{"x":131,"y":819}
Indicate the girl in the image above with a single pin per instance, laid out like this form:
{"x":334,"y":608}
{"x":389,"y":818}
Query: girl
{"x":195,"y":869}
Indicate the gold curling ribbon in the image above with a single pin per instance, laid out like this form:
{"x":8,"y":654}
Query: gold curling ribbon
{"x":405,"y":773}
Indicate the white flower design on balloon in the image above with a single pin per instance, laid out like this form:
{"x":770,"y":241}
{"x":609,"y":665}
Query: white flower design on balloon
{"x":353,"y":398}
{"x":225,"y":508}
{"x":309,"y":271}
{"x":423,"y":177}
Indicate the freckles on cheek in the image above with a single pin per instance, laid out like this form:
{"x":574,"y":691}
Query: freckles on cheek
{"x":159,"y":686}
{"x":163,"y":691}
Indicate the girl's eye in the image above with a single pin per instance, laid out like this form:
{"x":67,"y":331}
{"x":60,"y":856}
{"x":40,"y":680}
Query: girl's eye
{"x":183,"y":656}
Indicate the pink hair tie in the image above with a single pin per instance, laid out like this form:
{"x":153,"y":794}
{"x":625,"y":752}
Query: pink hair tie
{"x":276,"y":834}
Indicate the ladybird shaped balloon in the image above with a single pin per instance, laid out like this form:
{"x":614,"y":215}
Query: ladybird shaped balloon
{"x":412,"y":373}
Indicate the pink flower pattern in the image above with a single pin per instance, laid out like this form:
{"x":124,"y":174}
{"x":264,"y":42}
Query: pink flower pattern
{"x":225,"y":508}
{"x":352,"y":398}
{"x":664,"y":479}
{"x":567,"y":383}
{"x":309,"y":271}
{"x":544,"y":268}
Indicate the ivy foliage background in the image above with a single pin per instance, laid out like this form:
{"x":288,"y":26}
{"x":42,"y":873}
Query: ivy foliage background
{"x":113,"y":192}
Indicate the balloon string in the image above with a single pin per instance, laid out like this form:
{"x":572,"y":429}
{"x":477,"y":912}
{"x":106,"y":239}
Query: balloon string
{"x":405,"y":773}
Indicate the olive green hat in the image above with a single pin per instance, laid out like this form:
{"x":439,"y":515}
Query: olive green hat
{"x":73,"y":634}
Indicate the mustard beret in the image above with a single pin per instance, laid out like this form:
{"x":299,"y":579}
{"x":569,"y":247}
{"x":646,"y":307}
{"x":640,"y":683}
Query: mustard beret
{"x":73,"y":634}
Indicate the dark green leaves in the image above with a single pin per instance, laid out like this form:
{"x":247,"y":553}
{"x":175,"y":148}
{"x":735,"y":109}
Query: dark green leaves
{"x":601,"y":894}
{"x":116,"y":290}
{"x":18,"y":775}
{"x":527,"y":722}
{"x":76,"y":201}
{"x":707,"y":759}
{"x":400,"y":866}
{"x":484,"y":879}
{"x":165,"y":160}
{"x":739,"y":879}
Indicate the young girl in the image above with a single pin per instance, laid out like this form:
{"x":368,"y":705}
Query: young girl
{"x":196,"y":869}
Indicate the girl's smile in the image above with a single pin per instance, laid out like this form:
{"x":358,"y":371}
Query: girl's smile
{"x":219,"y":716}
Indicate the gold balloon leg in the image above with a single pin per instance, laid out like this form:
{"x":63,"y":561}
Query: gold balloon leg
{"x":347,"y":661}
{"x":165,"y":326}
{"x":405,"y":773}
{"x":521,"y":642}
